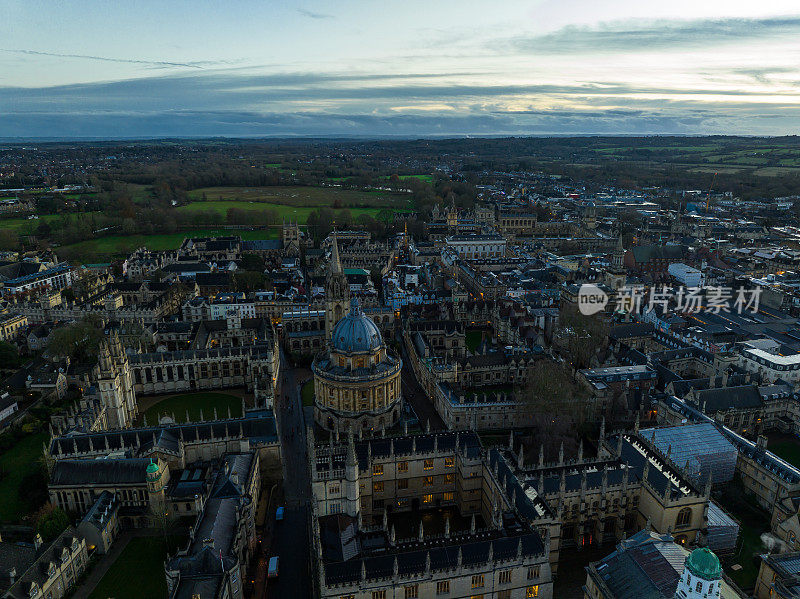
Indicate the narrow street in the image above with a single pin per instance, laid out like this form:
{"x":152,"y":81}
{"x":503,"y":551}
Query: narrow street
{"x":415,"y":395}
{"x":291,"y":536}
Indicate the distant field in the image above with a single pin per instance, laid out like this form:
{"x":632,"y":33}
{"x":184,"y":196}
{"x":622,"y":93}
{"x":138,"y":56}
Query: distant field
{"x":298,"y":213}
{"x":426,"y":178}
{"x":122,"y":245}
{"x":23,"y":226}
{"x":313,"y":197}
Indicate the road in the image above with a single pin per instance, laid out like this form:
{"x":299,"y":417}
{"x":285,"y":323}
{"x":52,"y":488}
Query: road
{"x":291,"y":536}
{"x":415,"y":395}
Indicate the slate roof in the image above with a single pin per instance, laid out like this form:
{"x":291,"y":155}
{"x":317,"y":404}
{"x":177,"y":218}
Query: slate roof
{"x":126,"y":471}
{"x":745,"y":397}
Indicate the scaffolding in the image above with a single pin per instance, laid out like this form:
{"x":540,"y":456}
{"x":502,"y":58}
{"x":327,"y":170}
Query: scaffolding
{"x":699,"y":450}
{"x":723,"y":531}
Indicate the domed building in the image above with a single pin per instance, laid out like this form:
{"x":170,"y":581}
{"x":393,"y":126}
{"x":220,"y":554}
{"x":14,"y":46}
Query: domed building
{"x":357,"y":379}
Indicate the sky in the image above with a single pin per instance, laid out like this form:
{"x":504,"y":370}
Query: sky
{"x":410,"y":68}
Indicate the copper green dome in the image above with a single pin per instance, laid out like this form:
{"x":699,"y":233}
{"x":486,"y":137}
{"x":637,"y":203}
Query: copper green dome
{"x":704,"y":564}
{"x":152,"y":468}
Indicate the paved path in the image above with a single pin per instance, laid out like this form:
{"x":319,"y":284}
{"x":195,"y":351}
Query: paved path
{"x":291,"y":536}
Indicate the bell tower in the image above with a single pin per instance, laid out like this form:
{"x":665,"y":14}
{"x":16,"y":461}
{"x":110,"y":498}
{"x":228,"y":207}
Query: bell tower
{"x":337,"y":291}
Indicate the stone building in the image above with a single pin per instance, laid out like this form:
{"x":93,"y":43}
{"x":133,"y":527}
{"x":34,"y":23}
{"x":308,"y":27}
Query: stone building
{"x":371,"y":497}
{"x":337,"y":291}
{"x":115,"y":384}
{"x":357,"y":379}
{"x":654,"y":566}
{"x":223,"y":540}
{"x":54,"y":571}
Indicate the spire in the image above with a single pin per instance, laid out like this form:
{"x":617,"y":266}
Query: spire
{"x":336,"y":263}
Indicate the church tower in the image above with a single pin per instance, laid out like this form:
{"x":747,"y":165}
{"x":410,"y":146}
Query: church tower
{"x":115,"y":383}
{"x":157,"y":480}
{"x":337,"y":291}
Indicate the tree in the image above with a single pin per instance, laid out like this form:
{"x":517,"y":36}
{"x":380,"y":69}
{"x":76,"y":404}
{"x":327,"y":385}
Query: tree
{"x":247,"y":280}
{"x":252,"y":262}
{"x":79,"y":341}
{"x":33,"y":489}
{"x":52,"y":522}
{"x":586,"y":335}
{"x":552,"y":402}
{"x":9,"y":356}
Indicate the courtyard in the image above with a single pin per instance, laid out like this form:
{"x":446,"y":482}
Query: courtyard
{"x":194,"y":404}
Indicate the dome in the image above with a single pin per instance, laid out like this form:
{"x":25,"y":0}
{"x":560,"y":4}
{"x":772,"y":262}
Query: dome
{"x":152,"y":468}
{"x":356,"y":332}
{"x":704,"y":564}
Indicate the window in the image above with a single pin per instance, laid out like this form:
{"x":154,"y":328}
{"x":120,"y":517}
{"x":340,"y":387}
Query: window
{"x":402,"y":466}
{"x":378,"y":594}
{"x":505,"y":577}
{"x":377,"y":486}
{"x":449,"y":462}
{"x":532,"y":591}
{"x":412,"y":591}
{"x":448,"y":496}
{"x":443,"y":587}
{"x":476,"y":596}
{"x":427,"y":481}
{"x":333,"y":489}
{"x":699,"y":587}
{"x":477,"y":581}
{"x":348,"y":597}
{"x":684,"y":518}
{"x":504,"y":594}
{"x":377,"y":469}
{"x":427,"y":499}
{"x":402,"y":483}
{"x":448,"y":478}
{"x":428,"y":464}
{"x":533,"y":572}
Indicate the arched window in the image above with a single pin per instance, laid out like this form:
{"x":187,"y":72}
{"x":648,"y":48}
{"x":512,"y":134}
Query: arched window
{"x":684,"y":518}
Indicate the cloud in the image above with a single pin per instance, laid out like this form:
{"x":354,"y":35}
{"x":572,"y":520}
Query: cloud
{"x":314,"y":15}
{"x":646,"y":35}
{"x":150,"y":63}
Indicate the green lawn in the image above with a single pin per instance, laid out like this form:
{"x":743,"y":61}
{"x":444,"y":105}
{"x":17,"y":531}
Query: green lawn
{"x":753,"y":522}
{"x":473,"y":339}
{"x":786,"y":447}
{"x":307,"y":393}
{"x":298,"y":213}
{"x":194,"y":402}
{"x":138,"y":571}
{"x":301,"y":196}
{"x":122,"y":245}
{"x":16,"y":463}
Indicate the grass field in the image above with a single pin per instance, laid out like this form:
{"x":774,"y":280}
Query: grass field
{"x":307,"y":393}
{"x":138,"y":571}
{"x":16,"y":463}
{"x":194,"y":403}
{"x":122,"y":245}
{"x":300,"y":196}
